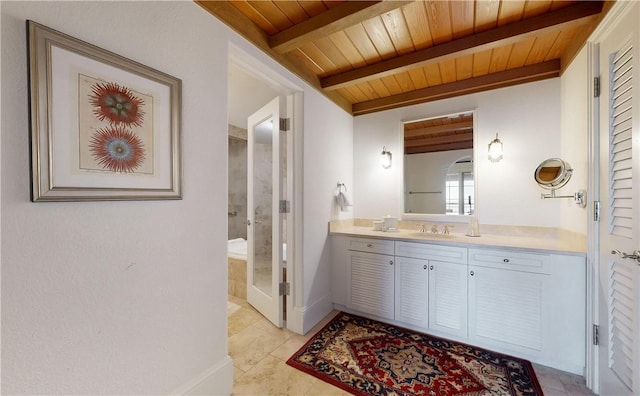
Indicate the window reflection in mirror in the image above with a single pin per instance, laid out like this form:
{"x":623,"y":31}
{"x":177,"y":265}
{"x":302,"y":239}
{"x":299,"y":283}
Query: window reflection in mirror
{"x":438,"y":165}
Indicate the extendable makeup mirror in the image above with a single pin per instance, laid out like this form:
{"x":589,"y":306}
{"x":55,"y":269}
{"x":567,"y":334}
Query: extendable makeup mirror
{"x":554,"y":173}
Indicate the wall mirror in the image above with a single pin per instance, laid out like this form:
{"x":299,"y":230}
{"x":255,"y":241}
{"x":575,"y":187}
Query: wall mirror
{"x":552,"y":173}
{"x":439,"y":167}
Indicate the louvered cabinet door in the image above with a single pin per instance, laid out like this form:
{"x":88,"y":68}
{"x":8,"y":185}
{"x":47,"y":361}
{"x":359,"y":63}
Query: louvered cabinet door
{"x":448,"y":298}
{"x":370,"y":284}
{"x":412,"y":294}
{"x":505,"y":308}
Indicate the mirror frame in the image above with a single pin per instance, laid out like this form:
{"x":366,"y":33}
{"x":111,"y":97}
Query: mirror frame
{"x":441,"y":217}
{"x":559,"y":181}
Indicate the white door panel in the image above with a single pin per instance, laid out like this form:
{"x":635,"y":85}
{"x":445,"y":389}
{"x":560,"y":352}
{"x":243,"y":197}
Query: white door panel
{"x":619,"y":179}
{"x":264,"y":222}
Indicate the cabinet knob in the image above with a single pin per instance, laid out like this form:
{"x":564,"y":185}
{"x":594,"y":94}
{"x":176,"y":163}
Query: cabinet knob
{"x":390,"y":262}
{"x":472,"y":273}
{"x":424,"y":266}
{"x":431,"y":268}
{"x":369,"y":245}
{"x":506,"y":260}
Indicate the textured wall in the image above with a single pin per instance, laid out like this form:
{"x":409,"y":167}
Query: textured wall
{"x":118,"y":297}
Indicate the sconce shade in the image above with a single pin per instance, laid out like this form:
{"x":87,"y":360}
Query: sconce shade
{"x":495,"y":150}
{"x":385,"y":159}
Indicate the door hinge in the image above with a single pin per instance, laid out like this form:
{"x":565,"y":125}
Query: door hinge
{"x":596,"y":210}
{"x":285,"y":124}
{"x":596,"y":334}
{"x":285,"y":289}
{"x":285,"y":206}
{"x":596,"y":87}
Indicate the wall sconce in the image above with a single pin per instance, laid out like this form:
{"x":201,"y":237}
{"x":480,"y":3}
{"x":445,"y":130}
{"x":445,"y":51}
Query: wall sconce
{"x":495,"y":150}
{"x":385,"y":159}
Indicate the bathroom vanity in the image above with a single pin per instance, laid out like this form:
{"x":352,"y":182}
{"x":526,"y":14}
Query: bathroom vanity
{"x":520,"y":295}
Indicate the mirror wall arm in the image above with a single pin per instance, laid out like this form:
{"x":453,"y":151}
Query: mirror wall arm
{"x":580,"y":197}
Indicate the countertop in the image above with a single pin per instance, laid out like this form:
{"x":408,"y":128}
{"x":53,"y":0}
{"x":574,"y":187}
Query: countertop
{"x":546,"y":240}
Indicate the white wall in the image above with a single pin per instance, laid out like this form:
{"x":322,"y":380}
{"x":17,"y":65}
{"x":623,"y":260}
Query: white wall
{"x":118,"y":297}
{"x":527,"y":118}
{"x":328,"y":159}
{"x":575,"y":90}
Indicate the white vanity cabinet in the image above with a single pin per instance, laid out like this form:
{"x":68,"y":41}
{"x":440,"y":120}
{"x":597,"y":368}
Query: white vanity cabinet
{"x":448,"y":298}
{"x":370,"y":277}
{"x":411,"y":291}
{"x":522,"y":302}
{"x":530,"y":303}
{"x":431,"y":287}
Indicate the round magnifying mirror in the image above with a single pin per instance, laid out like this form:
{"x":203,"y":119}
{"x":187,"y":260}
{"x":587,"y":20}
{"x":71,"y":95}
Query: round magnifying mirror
{"x":553,"y":173}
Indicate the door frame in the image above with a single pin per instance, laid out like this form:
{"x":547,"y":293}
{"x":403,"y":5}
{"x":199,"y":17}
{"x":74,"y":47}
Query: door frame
{"x":617,"y":11}
{"x":293,"y":222}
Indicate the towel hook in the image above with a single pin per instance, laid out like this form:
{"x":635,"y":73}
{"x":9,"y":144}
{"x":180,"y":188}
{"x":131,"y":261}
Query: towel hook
{"x":340,"y":185}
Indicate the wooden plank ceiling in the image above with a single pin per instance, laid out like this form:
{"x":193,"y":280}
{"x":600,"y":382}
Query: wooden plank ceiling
{"x":370,"y":56}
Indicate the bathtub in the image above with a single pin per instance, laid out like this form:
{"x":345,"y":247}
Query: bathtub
{"x":237,"y":258}
{"x":237,"y":249}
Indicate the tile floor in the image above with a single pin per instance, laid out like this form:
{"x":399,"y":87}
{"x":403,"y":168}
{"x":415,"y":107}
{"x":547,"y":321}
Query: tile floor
{"x":260,"y":351}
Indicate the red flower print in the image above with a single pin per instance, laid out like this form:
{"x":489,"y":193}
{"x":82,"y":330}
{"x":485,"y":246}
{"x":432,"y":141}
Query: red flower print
{"x":116,"y":104}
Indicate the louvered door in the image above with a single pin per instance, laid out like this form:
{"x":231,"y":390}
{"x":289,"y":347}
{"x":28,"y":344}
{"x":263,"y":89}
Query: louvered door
{"x":412,"y":294}
{"x":619,"y":310}
{"x":505,"y":308}
{"x":370,"y":283}
{"x":448,"y":298}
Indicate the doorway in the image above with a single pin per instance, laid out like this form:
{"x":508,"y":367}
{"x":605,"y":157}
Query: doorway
{"x":251,"y":86}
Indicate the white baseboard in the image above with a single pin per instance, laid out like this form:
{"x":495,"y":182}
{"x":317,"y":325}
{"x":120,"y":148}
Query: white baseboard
{"x":302,"y":319}
{"x":216,"y":380}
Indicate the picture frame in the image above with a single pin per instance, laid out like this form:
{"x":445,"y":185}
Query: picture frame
{"x":102,"y":127}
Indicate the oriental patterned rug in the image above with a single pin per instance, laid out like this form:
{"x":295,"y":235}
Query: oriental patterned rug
{"x":367,"y":357}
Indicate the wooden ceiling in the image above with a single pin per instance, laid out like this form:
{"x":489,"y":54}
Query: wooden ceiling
{"x":368,"y":56}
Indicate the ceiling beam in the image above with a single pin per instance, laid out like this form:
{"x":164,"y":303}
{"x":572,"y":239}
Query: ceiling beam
{"x":240,"y":23}
{"x":502,"y":79}
{"x":435,"y":149}
{"x":334,"y":20}
{"x":564,"y":18}
{"x":466,"y":137}
{"x":432,"y":130}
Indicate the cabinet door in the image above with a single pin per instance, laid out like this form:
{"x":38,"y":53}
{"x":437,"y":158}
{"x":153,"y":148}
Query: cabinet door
{"x":506,"y":308}
{"x":448,"y":298}
{"x":370,"y":283}
{"x":412,"y":284}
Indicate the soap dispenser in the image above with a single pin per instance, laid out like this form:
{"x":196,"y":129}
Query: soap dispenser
{"x":473,"y":229}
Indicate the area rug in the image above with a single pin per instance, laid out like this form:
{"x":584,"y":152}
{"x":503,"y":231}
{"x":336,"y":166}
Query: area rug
{"x":367,"y":357}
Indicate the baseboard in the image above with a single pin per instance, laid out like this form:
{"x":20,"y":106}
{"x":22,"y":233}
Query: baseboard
{"x":216,"y":380}
{"x":302,"y":319}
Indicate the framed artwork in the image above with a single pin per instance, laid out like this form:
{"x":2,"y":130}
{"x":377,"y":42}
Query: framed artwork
{"x":103,"y":127}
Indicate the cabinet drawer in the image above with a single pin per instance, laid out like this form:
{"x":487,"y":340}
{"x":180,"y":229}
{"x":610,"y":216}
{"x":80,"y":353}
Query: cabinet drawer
{"x":372,"y":246}
{"x":506,"y":259}
{"x":449,"y":254}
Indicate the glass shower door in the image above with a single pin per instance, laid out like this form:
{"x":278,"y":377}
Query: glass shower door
{"x":264,"y":223}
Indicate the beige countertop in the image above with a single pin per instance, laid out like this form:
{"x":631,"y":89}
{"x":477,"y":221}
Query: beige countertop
{"x":549,"y":240}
